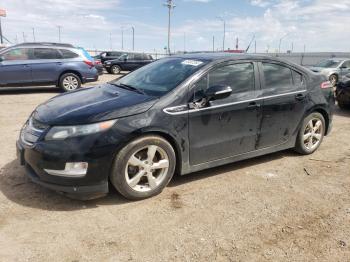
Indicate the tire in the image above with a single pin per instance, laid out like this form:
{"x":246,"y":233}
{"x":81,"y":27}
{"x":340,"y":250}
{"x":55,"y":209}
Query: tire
{"x":303,"y":144}
{"x":136,"y":175}
{"x":115,"y":69}
{"x":333,"y":79}
{"x":69,"y":82}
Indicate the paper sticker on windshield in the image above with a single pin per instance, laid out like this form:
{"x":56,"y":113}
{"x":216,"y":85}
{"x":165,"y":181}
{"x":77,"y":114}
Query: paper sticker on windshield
{"x":192,"y":62}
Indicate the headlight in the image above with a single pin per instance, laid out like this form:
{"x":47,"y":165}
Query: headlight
{"x":108,"y":63}
{"x":63,"y":132}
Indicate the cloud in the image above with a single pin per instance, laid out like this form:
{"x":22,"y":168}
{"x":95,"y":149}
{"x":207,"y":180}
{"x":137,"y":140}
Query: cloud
{"x":260,"y":3}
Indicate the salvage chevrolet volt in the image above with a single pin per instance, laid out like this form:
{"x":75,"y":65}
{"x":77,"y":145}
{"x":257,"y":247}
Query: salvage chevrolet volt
{"x":177,"y":115}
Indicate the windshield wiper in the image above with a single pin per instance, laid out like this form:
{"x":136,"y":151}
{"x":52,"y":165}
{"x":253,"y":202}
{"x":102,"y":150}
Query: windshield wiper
{"x":128,"y":87}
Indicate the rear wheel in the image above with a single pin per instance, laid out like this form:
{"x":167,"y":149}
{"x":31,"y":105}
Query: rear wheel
{"x":333,"y":79}
{"x":69,"y":82}
{"x":143,"y":167}
{"x":311,"y":134}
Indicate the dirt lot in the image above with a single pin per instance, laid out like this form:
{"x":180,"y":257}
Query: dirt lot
{"x":264,"y":209}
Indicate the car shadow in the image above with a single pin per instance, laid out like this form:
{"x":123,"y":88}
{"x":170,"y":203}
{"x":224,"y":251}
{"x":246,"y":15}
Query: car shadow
{"x":16,"y":187}
{"x":28,"y":90}
{"x":341,"y":112}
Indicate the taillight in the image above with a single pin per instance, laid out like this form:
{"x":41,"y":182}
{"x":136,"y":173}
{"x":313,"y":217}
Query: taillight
{"x":326,"y":84}
{"x":89,"y":63}
{"x":97,"y":62}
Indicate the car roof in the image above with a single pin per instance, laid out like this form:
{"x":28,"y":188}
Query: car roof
{"x":227,"y":56}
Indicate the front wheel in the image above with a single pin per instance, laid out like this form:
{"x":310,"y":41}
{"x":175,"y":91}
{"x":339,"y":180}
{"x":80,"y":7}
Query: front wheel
{"x":143,"y":168}
{"x":115,"y":69}
{"x":311,"y":134}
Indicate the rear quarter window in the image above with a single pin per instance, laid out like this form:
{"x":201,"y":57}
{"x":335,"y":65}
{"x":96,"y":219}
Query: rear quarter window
{"x":280,"y":79}
{"x":66,"y":54}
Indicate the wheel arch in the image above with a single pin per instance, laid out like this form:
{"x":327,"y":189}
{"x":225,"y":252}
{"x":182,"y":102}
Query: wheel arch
{"x":168,"y":137}
{"x":72,"y":72}
{"x":325,"y":115}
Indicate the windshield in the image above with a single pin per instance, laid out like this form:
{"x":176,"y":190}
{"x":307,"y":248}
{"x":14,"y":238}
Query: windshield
{"x":328,"y":63}
{"x":162,"y":76}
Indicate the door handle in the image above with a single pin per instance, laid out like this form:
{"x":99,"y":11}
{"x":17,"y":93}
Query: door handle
{"x":300,"y":97}
{"x":253,"y":105}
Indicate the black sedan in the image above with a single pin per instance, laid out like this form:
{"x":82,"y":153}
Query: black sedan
{"x":179,"y":114}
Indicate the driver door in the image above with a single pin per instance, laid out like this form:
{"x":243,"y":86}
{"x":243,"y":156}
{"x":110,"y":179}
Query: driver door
{"x":225,"y":127}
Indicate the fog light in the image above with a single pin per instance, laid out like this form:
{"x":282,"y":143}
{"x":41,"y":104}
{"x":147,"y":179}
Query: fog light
{"x":76,"y":169}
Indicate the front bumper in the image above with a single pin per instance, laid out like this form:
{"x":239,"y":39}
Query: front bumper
{"x":94,"y":185}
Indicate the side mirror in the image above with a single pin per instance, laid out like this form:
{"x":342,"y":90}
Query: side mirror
{"x":218,"y":92}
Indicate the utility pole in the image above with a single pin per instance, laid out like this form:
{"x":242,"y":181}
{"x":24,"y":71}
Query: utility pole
{"x":170,"y":5}
{"x":33,"y":34}
{"x":59,"y":33}
{"x":184,"y":42}
{"x":224,"y":38}
{"x":1,"y":38}
{"x":133,"y":38}
{"x":110,"y":41}
{"x":122,"y":38}
{"x":255,"y":46}
{"x":24,"y":37}
{"x":279,"y":47}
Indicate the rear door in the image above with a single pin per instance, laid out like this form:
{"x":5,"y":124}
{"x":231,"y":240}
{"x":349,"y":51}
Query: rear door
{"x":283,"y":92}
{"x":46,"y":65}
{"x":15,"y":69}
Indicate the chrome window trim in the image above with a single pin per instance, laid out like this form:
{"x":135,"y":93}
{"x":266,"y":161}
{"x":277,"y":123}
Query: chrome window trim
{"x":169,"y":109}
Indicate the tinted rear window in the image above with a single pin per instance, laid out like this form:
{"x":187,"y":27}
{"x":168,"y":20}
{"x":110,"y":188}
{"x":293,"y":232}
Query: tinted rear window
{"x":66,"y":54}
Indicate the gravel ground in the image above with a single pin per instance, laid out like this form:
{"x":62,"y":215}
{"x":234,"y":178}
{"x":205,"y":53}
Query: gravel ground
{"x":279,"y":207}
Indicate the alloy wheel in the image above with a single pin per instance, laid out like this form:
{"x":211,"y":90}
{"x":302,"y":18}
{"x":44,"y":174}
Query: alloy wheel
{"x":313,"y":134}
{"x":147,"y":168}
{"x":70,"y":83}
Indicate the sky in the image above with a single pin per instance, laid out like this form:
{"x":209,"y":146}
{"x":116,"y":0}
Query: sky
{"x":317,"y":25}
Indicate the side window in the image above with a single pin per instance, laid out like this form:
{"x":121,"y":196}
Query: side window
{"x":46,"y":53}
{"x":346,"y":64}
{"x":16,"y":54}
{"x":131,"y":57}
{"x":139,"y":57}
{"x":240,"y":77}
{"x":298,"y":80}
{"x":66,"y":54}
{"x":278,"y":79}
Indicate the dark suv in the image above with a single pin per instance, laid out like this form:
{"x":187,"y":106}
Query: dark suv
{"x":127,"y":62}
{"x":106,"y":56}
{"x":179,"y":114}
{"x":32,"y":64}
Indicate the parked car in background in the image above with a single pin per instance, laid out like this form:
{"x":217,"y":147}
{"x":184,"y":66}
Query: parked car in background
{"x":334,"y":69}
{"x":111,"y":55}
{"x":33,"y":64}
{"x":342,"y":93}
{"x":127,"y":62}
{"x":184,"y":113}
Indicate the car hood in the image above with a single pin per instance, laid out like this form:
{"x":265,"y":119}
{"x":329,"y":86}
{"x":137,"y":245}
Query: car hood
{"x":89,"y":105}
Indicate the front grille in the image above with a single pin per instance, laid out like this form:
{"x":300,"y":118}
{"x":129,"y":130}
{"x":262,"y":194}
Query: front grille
{"x":32,"y":131}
